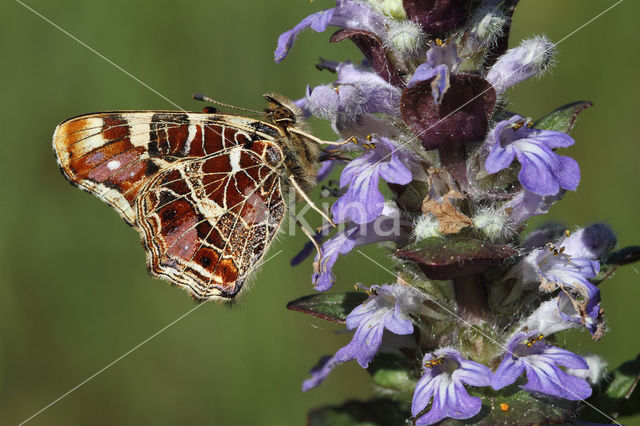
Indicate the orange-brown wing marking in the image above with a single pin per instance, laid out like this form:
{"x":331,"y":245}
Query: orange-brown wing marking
{"x":101,"y":154}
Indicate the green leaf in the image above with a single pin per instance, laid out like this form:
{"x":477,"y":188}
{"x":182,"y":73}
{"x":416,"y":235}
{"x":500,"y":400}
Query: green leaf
{"x":618,"y":396}
{"x":624,"y":379}
{"x":623,"y":256}
{"x":563,"y":118}
{"x":375,"y":412}
{"x":393,"y":373}
{"x":329,"y":306}
{"x":444,"y":259}
{"x":617,"y":259}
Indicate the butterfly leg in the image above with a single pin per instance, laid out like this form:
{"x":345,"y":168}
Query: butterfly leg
{"x":310,"y":236}
{"x":318,"y":140}
{"x":305,"y":197}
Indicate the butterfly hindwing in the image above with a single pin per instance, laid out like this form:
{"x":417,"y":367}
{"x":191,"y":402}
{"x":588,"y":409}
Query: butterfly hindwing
{"x":203,"y":190}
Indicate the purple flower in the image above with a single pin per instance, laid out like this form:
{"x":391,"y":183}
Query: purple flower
{"x":363,"y":202}
{"x":348,"y":103}
{"x":385,"y":228}
{"x":571,"y":270}
{"x":568,"y":266}
{"x":531,"y":354}
{"x":531,"y":58}
{"x":543,"y":171}
{"x":571,"y":274}
{"x":386,"y":308}
{"x":347,"y":14}
{"x":445,"y":374}
{"x":442,"y":61}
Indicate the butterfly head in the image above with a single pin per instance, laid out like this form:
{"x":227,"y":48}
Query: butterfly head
{"x":281,"y":111}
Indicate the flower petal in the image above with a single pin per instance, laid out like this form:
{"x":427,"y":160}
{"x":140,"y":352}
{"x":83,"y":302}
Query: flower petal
{"x":550,"y":380}
{"x":565,"y":358}
{"x":395,"y":170}
{"x":340,"y":243}
{"x":473,"y":373}
{"x":567,"y":173}
{"x":424,"y":391}
{"x":535,"y":175}
{"x":319,"y":372}
{"x":317,"y":21}
{"x":423,"y":72}
{"x":363,"y":202}
{"x":508,"y":372}
{"x":364,"y":345}
{"x":397,"y":322}
{"x":550,"y":138}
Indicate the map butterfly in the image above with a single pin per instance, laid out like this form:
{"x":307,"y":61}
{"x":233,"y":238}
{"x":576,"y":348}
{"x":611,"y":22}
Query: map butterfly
{"x":206,"y":191}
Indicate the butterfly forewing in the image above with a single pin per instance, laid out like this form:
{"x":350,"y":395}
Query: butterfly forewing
{"x":203,"y":190}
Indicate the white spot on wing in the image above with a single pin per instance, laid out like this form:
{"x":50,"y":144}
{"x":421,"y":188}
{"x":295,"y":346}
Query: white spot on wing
{"x":193,"y":129}
{"x":113,"y":164}
{"x":139,"y":128}
{"x":234,"y":159}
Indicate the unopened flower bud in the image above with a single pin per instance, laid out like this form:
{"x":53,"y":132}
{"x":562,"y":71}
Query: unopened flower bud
{"x":426,"y":227}
{"x":405,"y":37}
{"x":491,"y":223}
{"x":489,"y":25}
{"x":390,"y":8}
{"x":531,"y":58}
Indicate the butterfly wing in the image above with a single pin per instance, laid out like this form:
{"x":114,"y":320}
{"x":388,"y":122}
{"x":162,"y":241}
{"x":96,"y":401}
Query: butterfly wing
{"x":203,"y":190}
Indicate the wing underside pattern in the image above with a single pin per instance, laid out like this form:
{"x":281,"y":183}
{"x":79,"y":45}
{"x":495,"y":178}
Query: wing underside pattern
{"x":203,"y":190}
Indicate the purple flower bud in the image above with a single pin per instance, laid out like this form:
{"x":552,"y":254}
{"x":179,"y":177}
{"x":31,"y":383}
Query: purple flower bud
{"x":531,"y":58}
{"x":350,"y":102}
{"x":445,"y":374}
{"x":543,"y":172}
{"x":531,"y":354}
{"x":356,"y":92}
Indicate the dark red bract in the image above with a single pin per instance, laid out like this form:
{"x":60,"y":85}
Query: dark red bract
{"x":461,"y":117}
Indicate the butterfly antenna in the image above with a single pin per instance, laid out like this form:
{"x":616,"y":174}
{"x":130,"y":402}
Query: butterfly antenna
{"x":203,"y":98}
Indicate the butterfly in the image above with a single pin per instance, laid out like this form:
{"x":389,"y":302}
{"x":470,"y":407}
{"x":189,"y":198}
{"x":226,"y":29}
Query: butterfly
{"x":206,"y":191}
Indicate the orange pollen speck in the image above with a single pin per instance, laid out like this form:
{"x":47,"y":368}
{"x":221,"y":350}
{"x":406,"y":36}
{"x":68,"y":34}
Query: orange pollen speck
{"x":504,"y":407}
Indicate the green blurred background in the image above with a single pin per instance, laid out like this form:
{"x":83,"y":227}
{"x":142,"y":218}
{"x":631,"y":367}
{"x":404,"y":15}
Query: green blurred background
{"x":74,"y":292}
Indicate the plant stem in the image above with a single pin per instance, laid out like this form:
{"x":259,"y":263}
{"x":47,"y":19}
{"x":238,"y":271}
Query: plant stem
{"x":453,"y":159}
{"x":472,"y":298}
